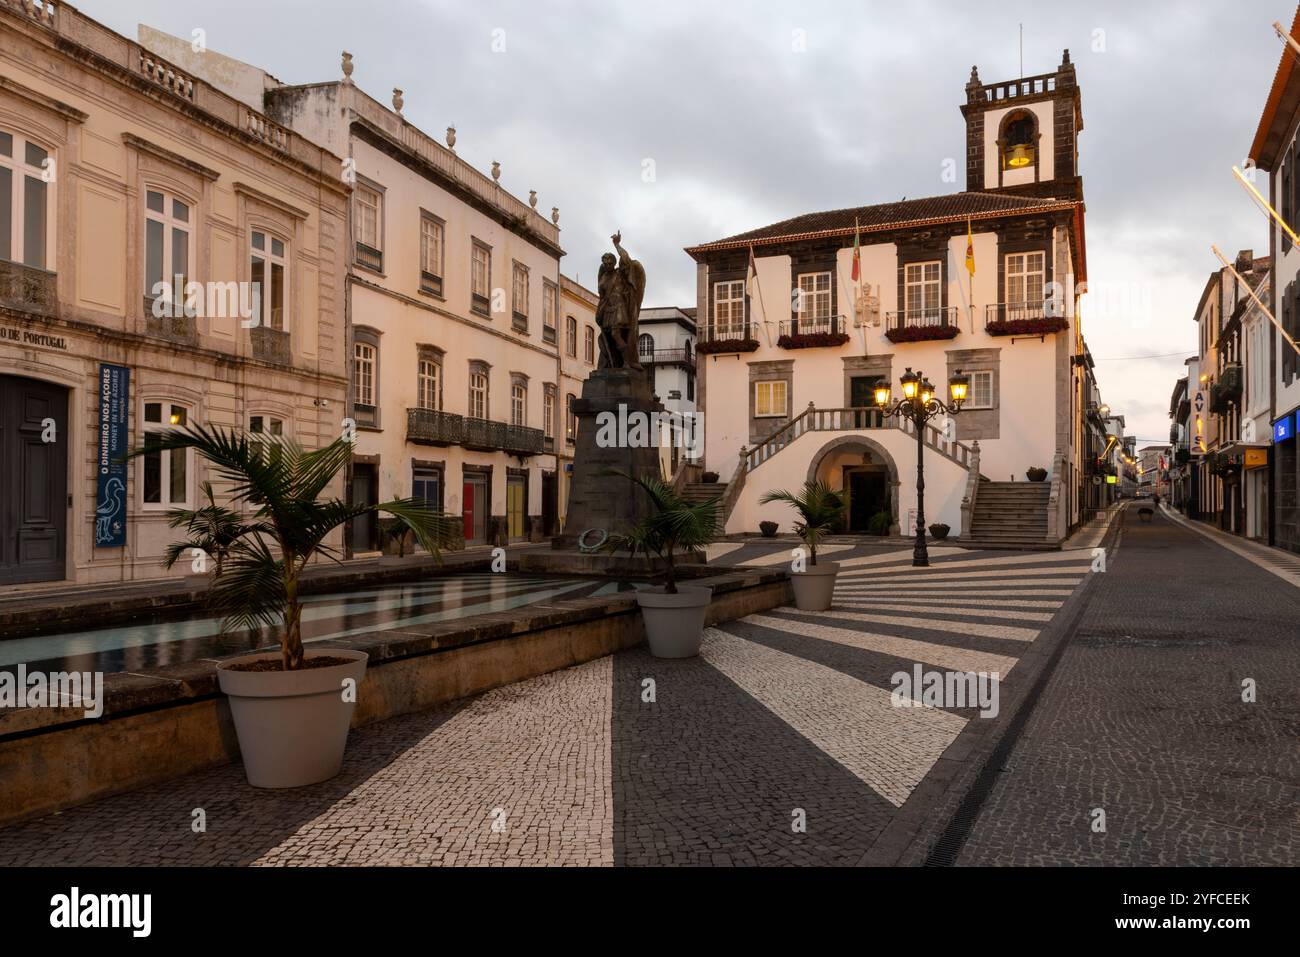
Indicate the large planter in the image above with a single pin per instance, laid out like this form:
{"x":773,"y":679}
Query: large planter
{"x":674,"y":624}
{"x":292,"y":725}
{"x":814,"y":588}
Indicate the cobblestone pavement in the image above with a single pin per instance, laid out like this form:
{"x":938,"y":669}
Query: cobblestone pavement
{"x":780,"y":744}
{"x":1143,"y":718}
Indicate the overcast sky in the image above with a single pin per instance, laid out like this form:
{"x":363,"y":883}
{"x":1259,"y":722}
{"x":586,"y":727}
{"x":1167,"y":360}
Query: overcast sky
{"x":744,"y":130}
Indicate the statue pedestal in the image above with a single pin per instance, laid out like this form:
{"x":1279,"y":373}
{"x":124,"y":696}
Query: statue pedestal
{"x":598,"y":500}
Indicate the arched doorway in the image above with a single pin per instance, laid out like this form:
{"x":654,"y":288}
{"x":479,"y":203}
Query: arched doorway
{"x":866,"y":473}
{"x":33,"y":480}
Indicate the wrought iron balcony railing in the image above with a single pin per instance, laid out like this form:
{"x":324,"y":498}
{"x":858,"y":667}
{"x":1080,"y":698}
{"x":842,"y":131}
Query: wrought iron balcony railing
{"x":810,"y":326}
{"x":434,"y":427}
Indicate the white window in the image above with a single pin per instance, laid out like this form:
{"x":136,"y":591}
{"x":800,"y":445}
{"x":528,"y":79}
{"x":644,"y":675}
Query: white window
{"x":429,"y":384}
{"x":548,"y":412}
{"x":770,"y":398}
{"x":729,"y":305}
{"x":364,"y":373}
{"x":921,"y":293}
{"x":1024,"y":272}
{"x":519,"y":290}
{"x":481,"y":274}
{"x":815,"y":295}
{"x":981,"y":390}
{"x":369,"y":212}
{"x":589,"y":345}
{"x":24,"y":201}
{"x":267,"y":425}
{"x":164,"y":474}
{"x":166,"y":245}
{"x":478,"y":394}
{"x":431,"y":247}
{"x":269,"y":270}
{"x":571,"y":336}
{"x":518,"y":404}
{"x":549,"y":310}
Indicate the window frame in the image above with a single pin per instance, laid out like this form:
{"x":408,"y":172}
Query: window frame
{"x":368,"y":255}
{"x":1022,"y":276}
{"x":268,"y":254}
{"x":423,"y":398}
{"x":519,"y":402}
{"x":771,"y":389}
{"x":170,"y":225}
{"x":923,"y":284}
{"x":818,"y":297}
{"x":165,"y":501}
{"x":371,"y":363}
{"x":479,"y":371}
{"x":550,"y":311}
{"x":431,"y":279}
{"x":975,"y":375}
{"x":20,"y":170}
{"x":733,"y":302}
{"x":589,"y":345}
{"x":571,"y":336}
{"x":520,"y":290}
{"x":480,"y":303}
{"x":549,"y":403}
{"x":570,"y":419}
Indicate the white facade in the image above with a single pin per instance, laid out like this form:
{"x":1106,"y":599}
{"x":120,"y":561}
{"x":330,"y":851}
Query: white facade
{"x":666,"y":347}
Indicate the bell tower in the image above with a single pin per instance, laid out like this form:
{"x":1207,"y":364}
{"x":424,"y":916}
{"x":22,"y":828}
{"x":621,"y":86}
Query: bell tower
{"x":1022,"y":135}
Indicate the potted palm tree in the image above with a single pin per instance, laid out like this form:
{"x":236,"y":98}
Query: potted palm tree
{"x":673,"y":614}
{"x":291,"y":709}
{"x":819,"y":508}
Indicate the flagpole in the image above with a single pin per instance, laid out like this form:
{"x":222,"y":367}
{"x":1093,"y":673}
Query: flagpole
{"x":1259,"y":302}
{"x":753,"y":264}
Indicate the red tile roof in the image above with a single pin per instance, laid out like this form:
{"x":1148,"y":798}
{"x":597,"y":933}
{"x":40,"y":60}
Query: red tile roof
{"x":1269,"y":134}
{"x":907,"y":212}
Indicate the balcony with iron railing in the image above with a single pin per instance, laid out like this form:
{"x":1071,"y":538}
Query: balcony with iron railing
{"x":729,"y":336}
{"x":921,"y":325}
{"x":806,"y":332}
{"x":435,"y":427}
{"x":1038,"y":318}
{"x":685,"y":357}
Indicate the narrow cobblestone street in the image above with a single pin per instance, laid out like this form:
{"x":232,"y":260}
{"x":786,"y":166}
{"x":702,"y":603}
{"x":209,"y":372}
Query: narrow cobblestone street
{"x":1144,"y":719}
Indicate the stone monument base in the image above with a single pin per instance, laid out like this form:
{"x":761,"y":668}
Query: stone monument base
{"x":598,"y":500}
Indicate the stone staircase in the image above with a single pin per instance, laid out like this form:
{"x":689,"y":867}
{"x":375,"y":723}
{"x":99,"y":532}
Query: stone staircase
{"x":695,"y":492}
{"x":1011,"y":515}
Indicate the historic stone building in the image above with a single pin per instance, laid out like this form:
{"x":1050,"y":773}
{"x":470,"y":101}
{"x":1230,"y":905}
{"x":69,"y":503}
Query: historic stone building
{"x":789,"y":357}
{"x":168,"y":256}
{"x":464,"y":340}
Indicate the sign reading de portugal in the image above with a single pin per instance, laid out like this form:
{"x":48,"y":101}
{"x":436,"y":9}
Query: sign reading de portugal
{"x":110,"y":495}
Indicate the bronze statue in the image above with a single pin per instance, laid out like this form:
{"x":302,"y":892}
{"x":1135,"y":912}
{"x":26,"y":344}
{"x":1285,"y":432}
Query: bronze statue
{"x":621,"y":288}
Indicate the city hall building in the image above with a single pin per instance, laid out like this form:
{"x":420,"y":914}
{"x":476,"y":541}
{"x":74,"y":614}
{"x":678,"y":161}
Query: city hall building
{"x":169,"y":256}
{"x":791,"y":351}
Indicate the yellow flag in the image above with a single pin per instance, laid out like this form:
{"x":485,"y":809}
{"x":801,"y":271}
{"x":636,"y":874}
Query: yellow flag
{"x":970,"y":249}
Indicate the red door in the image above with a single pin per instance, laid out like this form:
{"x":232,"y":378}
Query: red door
{"x":467,"y":511}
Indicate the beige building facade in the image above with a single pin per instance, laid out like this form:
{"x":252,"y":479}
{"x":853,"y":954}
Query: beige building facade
{"x":171,"y":256}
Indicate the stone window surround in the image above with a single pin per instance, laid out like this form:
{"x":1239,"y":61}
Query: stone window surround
{"x":432,"y":465}
{"x":1032,"y":237}
{"x":549,"y":391}
{"x":978,"y":423}
{"x":380,"y":191}
{"x":519,"y":318}
{"x":763,"y":371}
{"x":812,"y":261}
{"x":427,"y":351}
{"x":195,"y":411}
{"x":370,"y":336}
{"x":484,"y":307}
{"x":924,"y":247}
{"x":442,"y":264}
{"x":731,"y":268}
{"x":859,"y":366}
{"x":485,"y":368}
{"x":518,"y":379}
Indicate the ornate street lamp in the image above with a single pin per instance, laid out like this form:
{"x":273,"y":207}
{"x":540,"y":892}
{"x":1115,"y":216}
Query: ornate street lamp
{"x":920,"y":406}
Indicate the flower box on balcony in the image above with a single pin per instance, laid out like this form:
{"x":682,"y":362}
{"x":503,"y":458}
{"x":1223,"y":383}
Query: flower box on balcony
{"x":727,"y":345}
{"x":920,"y":333}
{"x":812,"y":340}
{"x":1041,"y":326}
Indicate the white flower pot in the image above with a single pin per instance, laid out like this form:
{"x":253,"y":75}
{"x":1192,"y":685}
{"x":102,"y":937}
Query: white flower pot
{"x":814,"y":588}
{"x":292,"y":725}
{"x":674,"y":624}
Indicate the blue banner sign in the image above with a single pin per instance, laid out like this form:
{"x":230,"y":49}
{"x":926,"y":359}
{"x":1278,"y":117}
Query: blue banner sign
{"x":1284,"y":428}
{"x":110,"y":494}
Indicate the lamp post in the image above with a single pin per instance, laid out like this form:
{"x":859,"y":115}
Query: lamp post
{"x":920,"y":406}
